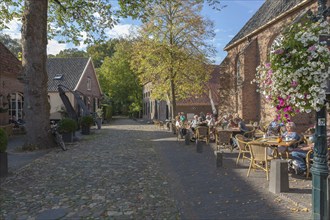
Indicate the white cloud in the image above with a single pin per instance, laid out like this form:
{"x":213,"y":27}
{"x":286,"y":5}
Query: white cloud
{"x":120,"y":30}
{"x":14,"y":30}
{"x":54,"y":47}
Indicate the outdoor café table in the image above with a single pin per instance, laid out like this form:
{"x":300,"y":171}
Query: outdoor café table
{"x":224,"y":136}
{"x":273,"y":143}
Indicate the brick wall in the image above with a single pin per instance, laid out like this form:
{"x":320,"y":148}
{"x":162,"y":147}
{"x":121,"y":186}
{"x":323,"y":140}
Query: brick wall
{"x":94,"y":92}
{"x":250,"y":53}
{"x":10,"y":70}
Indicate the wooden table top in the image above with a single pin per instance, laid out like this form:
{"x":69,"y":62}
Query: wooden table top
{"x":274,"y":141}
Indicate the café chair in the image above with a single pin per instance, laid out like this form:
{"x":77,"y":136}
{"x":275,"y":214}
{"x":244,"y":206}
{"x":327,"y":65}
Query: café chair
{"x":243,"y":148}
{"x":259,"y":157}
{"x":224,"y":139}
{"x":249,"y":134}
{"x":202,"y":133}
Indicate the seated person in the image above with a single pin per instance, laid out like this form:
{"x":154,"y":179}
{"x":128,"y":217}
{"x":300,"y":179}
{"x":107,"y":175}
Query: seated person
{"x":182,"y":117}
{"x":222,"y":121}
{"x":274,"y":127}
{"x":298,"y":162}
{"x":194,"y":123}
{"x":179,"y":126}
{"x":211,"y":124}
{"x":290,"y":134}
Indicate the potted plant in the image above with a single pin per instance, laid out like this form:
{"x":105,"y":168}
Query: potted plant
{"x":67,"y":128}
{"x":86,"y":122}
{"x":99,"y":118}
{"x":3,"y":153}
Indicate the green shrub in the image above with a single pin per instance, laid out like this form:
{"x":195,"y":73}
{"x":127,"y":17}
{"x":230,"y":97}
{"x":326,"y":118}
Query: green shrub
{"x":3,"y":140}
{"x":67,"y":125}
{"x":86,"y":120}
{"x":107,"y":109}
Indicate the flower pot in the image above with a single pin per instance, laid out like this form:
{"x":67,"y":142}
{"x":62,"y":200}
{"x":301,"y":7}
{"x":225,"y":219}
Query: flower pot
{"x":3,"y":164}
{"x":85,"y":130}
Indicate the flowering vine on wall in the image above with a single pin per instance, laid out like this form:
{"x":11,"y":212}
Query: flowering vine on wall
{"x":296,"y":77}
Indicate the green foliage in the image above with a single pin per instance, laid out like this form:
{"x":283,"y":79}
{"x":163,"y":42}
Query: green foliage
{"x":67,"y":125}
{"x":3,"y":140}
{"x":108,"y":112}
{"x":118,"y":80}
{"x":100,"y":51}
{"x":14,"y":45}
{"x":72,"y":52}
{"x":86,"y":120}
{"x":172,"y":53}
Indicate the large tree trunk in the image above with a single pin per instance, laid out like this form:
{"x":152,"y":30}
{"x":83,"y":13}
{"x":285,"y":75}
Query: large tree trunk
{"x":36,"y":105}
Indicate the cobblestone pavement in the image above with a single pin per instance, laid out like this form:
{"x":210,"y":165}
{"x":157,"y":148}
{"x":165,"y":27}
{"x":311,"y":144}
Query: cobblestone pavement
{"x":131,"y":170}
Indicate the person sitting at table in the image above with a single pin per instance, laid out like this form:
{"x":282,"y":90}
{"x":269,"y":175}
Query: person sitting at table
{"x":235,"y":120}
{"x":274,"y":127}
{"x":298,"y":161}
{"x":194,"y":123}
{"x":289,"y":135}
{"x":222,"y":121}
{"x":211,"y":124}
{"x":180,"y":126}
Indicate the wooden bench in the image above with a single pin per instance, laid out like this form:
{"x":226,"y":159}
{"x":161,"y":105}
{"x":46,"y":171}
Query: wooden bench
{"x":8,"y":129}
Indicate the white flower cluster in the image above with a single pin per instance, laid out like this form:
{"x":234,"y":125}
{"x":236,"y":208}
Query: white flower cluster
{"x":298,"y":71}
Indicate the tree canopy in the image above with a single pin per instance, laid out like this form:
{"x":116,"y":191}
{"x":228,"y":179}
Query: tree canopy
{"x":14,"y":45}
{"x":119,"y":81}
{"x":71,"y":52}
{"x":173,"y":52}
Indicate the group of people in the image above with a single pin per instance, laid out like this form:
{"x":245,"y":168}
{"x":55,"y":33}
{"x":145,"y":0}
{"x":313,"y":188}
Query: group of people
{"x":212,"y":121}
{"x":287,"y":131}
{"x":298,"y":150}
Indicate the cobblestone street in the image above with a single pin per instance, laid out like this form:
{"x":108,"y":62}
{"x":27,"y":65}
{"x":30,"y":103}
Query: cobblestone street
{"x":133,"y":170}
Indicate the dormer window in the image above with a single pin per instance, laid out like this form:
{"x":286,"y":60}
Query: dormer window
{"x":58,"y":76}
{"x":89,"y":83}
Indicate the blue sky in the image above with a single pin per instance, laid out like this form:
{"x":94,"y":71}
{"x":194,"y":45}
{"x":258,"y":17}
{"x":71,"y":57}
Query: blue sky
{"x":227,"y":22}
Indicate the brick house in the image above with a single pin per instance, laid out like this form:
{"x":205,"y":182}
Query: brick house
{"x":76,"y":74}
{"x":250,"y":47}
{"x":11,"y":88}
{"x":159,"y":109}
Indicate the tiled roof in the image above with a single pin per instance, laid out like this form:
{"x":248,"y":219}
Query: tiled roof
{"x":71,"y":69}
{"x":204,"y":99}
{"x":268,"y":11}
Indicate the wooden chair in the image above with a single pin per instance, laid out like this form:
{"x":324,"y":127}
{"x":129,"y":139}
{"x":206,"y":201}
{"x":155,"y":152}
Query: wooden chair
{"x":259,"y":157}
{"x":242,"y":147}
{"x":223,"y":139}
{"x":250,"y":134}
{"x":258,"y":133}
{"x":202,"y":132}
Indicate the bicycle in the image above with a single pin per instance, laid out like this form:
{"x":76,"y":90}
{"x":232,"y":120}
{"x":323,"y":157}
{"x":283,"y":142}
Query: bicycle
{"x":58,"y":137}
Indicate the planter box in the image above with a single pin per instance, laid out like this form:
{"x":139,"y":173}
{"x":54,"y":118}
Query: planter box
{"x":3,"y":164}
